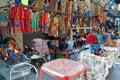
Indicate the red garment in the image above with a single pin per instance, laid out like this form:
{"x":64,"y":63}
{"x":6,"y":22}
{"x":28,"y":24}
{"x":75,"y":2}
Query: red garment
{"x":27,"y":27}
{"x":12,"y":15}
{"x":17,"y":20}
{"x":21,"y":17}
{"x":65,"y":20}
{"x":45,"y":19}
{"x":92,"y":39}
{"x":42,"y":19}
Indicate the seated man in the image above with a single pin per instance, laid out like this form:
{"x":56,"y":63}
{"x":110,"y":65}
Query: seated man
{"x":62,"y":48}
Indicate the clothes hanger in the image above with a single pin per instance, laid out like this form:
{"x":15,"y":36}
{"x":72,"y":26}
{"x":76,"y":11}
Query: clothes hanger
{"x":25,"y":7}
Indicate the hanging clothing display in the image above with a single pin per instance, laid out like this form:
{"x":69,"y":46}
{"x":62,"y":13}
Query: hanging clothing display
{"x":54,"y":26}
{"x":70,"y":7}
{"x":12,"y":11}
{"x":35,"y":20}
{"x":67,"y":23}
{"x":45,"y":22}
{"x":17,"y":20}
{"x":63,"y":5}
{"x":93,"y":8}
{"x":4,"y":21}
{"x":56,"y":5}
{"x":75,"y":6}
{"x":21,"y":9}
{"x":101,"y":15}
{"x":27,"y":26}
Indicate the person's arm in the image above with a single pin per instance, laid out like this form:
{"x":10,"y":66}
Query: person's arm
{"x":108,"y":41}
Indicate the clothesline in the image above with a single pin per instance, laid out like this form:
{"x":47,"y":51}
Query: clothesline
{"x":4,"y":7}
{"x":59,"y":12}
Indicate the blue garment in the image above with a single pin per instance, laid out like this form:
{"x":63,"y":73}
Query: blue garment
{"x":113,"y":2}
{"x":101,"y":39}
{"x":70,"y":45}
{"x":12,"y":54}
{"x":92,"y":48}
{"x":17,"y":1}
{"x":75,"y":54}
{"x":97,"y":47}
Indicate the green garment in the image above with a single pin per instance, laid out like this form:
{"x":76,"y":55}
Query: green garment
{"x":35,"y":20}
{"x":24,"y":2}
{"x":98,"y":8}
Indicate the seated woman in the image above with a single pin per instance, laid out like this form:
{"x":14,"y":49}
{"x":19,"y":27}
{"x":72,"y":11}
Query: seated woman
{"x":71,"y":49}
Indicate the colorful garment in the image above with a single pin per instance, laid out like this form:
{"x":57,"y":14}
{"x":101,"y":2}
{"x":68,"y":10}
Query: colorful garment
{"x":21,"y":17}
{"x":70,"y":6}
{"x":42,"y":22}
{"x":4,"y":21}
{"x":63,"y":5}
{"x":35,"y":21}
{"x":27,"y":27}
{"x":67,"y":23}
{"x":40,"y":45}
{"x":54,"y":27}
{"x":17,"y":20}
{"x":45,"y":22}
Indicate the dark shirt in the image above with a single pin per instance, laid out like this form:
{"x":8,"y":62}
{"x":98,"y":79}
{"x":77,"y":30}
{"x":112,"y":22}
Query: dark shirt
{"x":62,"y":46}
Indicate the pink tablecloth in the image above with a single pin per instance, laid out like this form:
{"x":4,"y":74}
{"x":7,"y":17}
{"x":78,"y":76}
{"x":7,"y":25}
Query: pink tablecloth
{"x":63,"y":69}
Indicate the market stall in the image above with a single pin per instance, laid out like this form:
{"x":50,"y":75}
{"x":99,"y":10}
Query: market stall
{"x":99,"y":65}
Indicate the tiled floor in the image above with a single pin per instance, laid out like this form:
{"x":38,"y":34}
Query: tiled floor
{"x":114,"y":73}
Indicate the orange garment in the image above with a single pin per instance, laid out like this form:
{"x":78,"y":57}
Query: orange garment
{"x":12,"y":15}
{"x":21,"y":17}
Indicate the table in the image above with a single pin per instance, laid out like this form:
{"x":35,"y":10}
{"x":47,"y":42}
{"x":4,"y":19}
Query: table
{"x":63,"y":69}
{"x":118,"y":45}
{"x":99,"y":65}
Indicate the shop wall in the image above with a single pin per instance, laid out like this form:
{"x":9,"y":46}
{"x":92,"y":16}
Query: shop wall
{"x":19,"y":39}
{"x":4,"y":2}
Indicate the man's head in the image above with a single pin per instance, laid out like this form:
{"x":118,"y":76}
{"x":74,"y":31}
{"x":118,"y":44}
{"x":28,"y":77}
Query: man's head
{"x":64,"y":40}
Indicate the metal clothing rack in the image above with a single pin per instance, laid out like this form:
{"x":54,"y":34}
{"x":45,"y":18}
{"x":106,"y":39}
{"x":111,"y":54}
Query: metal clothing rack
{"x":4,"y":7}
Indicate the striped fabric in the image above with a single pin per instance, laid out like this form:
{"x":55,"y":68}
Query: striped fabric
{"x":40,"y":46}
